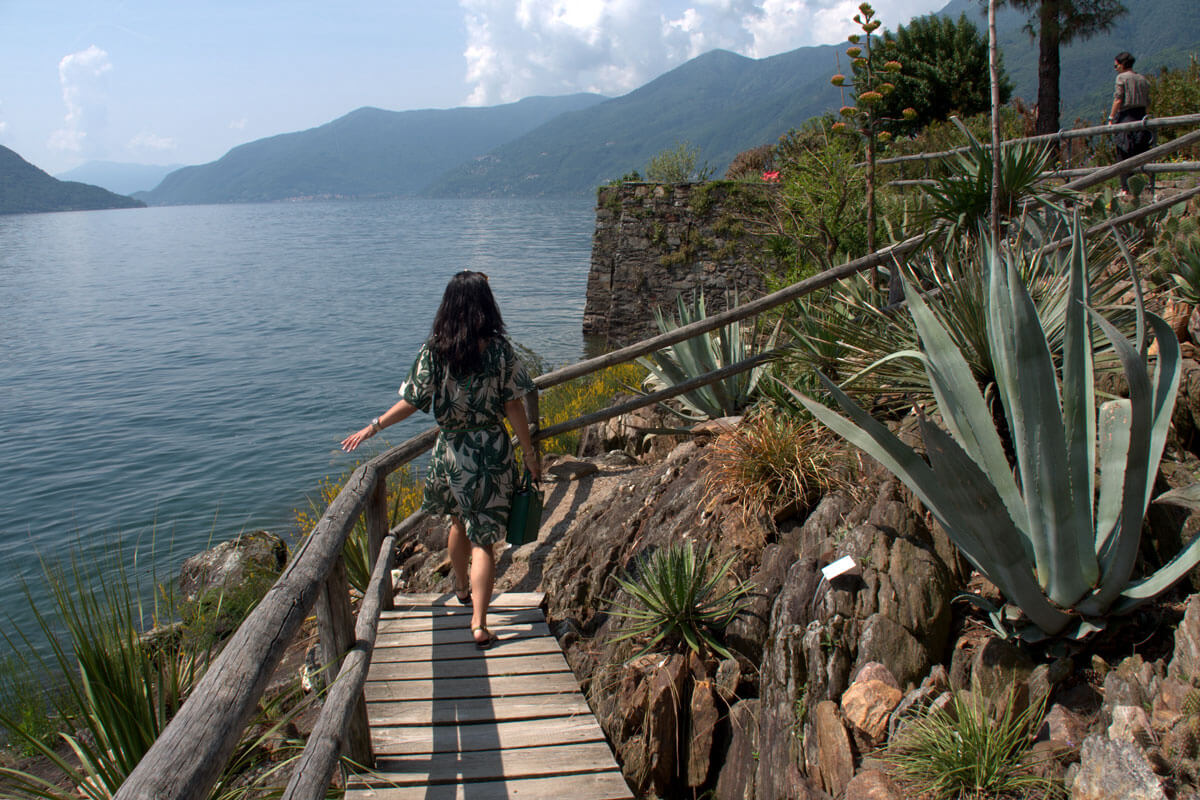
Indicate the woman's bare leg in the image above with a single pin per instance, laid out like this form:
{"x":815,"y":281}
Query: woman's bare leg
{"x":460,"y":551}
{"x":483,"y":580}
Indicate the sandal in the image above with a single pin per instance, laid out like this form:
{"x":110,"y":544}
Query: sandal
{"x":485,"y":643}
{"x":463,"y":595}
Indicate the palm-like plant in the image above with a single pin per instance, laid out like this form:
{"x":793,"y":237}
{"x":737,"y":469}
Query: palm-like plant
{"x":1060,"y":537}
{"x":676,"y":596}
{"x":960,"y":201}
{"x":699,"y":355}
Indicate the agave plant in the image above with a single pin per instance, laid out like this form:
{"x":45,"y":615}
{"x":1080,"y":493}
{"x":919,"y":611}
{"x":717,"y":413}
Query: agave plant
{"x":678,"y":597}
{"x":1060,"y":537}
{"x":703,"y":354}
{"x":850,"y":336}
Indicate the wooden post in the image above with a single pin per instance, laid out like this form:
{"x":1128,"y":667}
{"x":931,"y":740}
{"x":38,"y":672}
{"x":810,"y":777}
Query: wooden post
{"x":533,"y":416}
{"x":335,"y":631}
{"x":377,"y":531}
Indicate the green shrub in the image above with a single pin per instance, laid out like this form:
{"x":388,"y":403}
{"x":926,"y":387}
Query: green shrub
{"x":678,"y":164}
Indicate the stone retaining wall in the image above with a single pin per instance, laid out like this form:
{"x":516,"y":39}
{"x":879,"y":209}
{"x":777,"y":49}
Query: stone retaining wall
{"x":655,"y":241}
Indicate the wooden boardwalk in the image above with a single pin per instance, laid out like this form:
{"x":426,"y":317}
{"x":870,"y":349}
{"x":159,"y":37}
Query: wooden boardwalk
{"x":451,"y":721}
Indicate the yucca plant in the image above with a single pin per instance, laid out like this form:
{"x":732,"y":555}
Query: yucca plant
{"x":677,"y":596}
{"x":702,"y":354}
{"x":120,"y":689}
{"x":963,"y":751}
{"x":959,"y":202}
{"x":1060,"y":537}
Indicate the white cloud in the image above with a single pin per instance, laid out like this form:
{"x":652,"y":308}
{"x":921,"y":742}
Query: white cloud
{"x":83,"y":77}
{"x":149,"y":141}
{"x":518,"y":48}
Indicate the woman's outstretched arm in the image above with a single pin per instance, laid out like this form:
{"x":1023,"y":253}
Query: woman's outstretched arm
{"x":390,"y":417}
{"x":515,"y":411}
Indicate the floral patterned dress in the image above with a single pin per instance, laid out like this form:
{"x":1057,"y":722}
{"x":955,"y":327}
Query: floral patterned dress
{"x":473,"y":467}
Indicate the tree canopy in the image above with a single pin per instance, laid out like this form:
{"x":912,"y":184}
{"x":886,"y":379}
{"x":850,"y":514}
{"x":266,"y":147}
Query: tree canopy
{"x":944,"y":71}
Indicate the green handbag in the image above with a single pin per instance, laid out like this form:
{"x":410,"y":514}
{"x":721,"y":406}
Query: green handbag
{"x":525,"y":516}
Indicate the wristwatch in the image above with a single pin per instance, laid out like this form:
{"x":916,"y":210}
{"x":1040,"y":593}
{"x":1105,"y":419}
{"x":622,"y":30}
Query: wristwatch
{"x":375,"y":426}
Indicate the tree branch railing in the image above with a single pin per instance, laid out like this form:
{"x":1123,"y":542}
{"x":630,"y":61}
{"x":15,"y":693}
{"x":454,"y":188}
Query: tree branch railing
{"x":187,"y":759}
{"x":1066,"y":134}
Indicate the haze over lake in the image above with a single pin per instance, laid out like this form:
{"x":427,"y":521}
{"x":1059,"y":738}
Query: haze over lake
{"x":173,"y":376}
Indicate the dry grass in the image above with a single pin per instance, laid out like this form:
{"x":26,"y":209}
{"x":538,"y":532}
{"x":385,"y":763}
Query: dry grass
{"x":774,"y":464}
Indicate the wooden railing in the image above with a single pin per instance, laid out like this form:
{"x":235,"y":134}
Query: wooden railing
{"x":188,"y":758}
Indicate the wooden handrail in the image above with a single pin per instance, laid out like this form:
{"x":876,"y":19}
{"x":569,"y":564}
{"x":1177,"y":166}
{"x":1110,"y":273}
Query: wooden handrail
{"x":1067,"y":133}
{"x":188,"y":758}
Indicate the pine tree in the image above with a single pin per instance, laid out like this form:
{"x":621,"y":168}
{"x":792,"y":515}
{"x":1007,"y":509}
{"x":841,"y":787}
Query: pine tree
{"x":1056,"y":23}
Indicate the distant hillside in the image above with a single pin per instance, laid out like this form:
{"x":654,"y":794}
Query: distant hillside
{"x":367,"y":153}
{"x":721,"y":102}
{"x":725,"y":103}
{"x":1159,"y":33}
{"x":25,"y":189}
{"x":118,"y":177}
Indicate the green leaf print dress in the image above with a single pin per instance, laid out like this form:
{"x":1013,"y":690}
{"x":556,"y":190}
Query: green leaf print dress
{"x":473,"y":467}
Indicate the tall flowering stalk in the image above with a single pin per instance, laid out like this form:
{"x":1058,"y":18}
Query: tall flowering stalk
{"x":871,"y":78}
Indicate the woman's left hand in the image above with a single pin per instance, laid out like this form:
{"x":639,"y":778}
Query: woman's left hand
{"x":355,"y":439}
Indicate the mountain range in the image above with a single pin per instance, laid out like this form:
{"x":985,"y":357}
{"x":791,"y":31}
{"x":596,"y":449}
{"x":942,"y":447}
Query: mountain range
{"x":719,"y":102}
{"x":25,"y":189}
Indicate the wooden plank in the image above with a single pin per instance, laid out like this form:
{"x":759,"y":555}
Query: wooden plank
{"x":477,"y":709}
{"x":459,"y":634}
{"x":518,"y":646}
{"x":594,"y":786}
{"x":467,"y":667}
{"x":500,"y":686}
{"x":405,"y":740}
{"x":501,"y":600}
{"x":458,"y":618}
{"x":482,"y":765}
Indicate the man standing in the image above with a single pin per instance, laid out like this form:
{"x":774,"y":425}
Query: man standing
{"x":1130,"y":98}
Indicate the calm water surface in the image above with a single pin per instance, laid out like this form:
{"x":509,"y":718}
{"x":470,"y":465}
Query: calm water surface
{"x":173,"y":376}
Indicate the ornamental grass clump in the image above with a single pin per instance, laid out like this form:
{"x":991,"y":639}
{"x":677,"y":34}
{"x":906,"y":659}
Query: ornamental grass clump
{"x":772,"y":463}
{"x":1059,"y":535}
{"x":678,"y":597}
{"x":962,"y":751}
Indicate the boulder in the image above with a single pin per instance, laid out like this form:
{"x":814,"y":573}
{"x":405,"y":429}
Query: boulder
{"x":247,"y":558}
{"x":1111,"y":770}
{"x":872,"y":784}
{"x":867,"y":705}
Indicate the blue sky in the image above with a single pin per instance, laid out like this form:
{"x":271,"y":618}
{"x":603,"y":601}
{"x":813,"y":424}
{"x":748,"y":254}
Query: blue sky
{"x":164,"y":82}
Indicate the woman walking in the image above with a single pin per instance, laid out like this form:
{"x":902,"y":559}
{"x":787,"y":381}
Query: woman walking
{"x":468,"y":373}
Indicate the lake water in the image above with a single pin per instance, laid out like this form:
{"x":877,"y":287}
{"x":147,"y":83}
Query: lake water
{"x":173,"y":376}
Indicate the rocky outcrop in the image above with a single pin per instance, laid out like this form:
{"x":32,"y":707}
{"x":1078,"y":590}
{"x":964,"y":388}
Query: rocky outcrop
{"x":654,"y":242}
{"x":824,"y":672}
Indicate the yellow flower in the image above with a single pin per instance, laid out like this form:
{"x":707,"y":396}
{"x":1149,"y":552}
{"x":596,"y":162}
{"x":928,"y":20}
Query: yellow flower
{"x":892,"y":66}
{"x":853,"y":52}
{"x":870,"y":98}
{"x":838,"y":80}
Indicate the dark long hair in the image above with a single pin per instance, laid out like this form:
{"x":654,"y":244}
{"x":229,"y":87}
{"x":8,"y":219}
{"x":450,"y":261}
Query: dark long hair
{"x":467,"y":316}
{"x":1124,"y":59}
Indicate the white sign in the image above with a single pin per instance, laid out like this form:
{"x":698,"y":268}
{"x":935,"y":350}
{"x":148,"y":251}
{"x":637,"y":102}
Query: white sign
{"x":842,"y":565}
